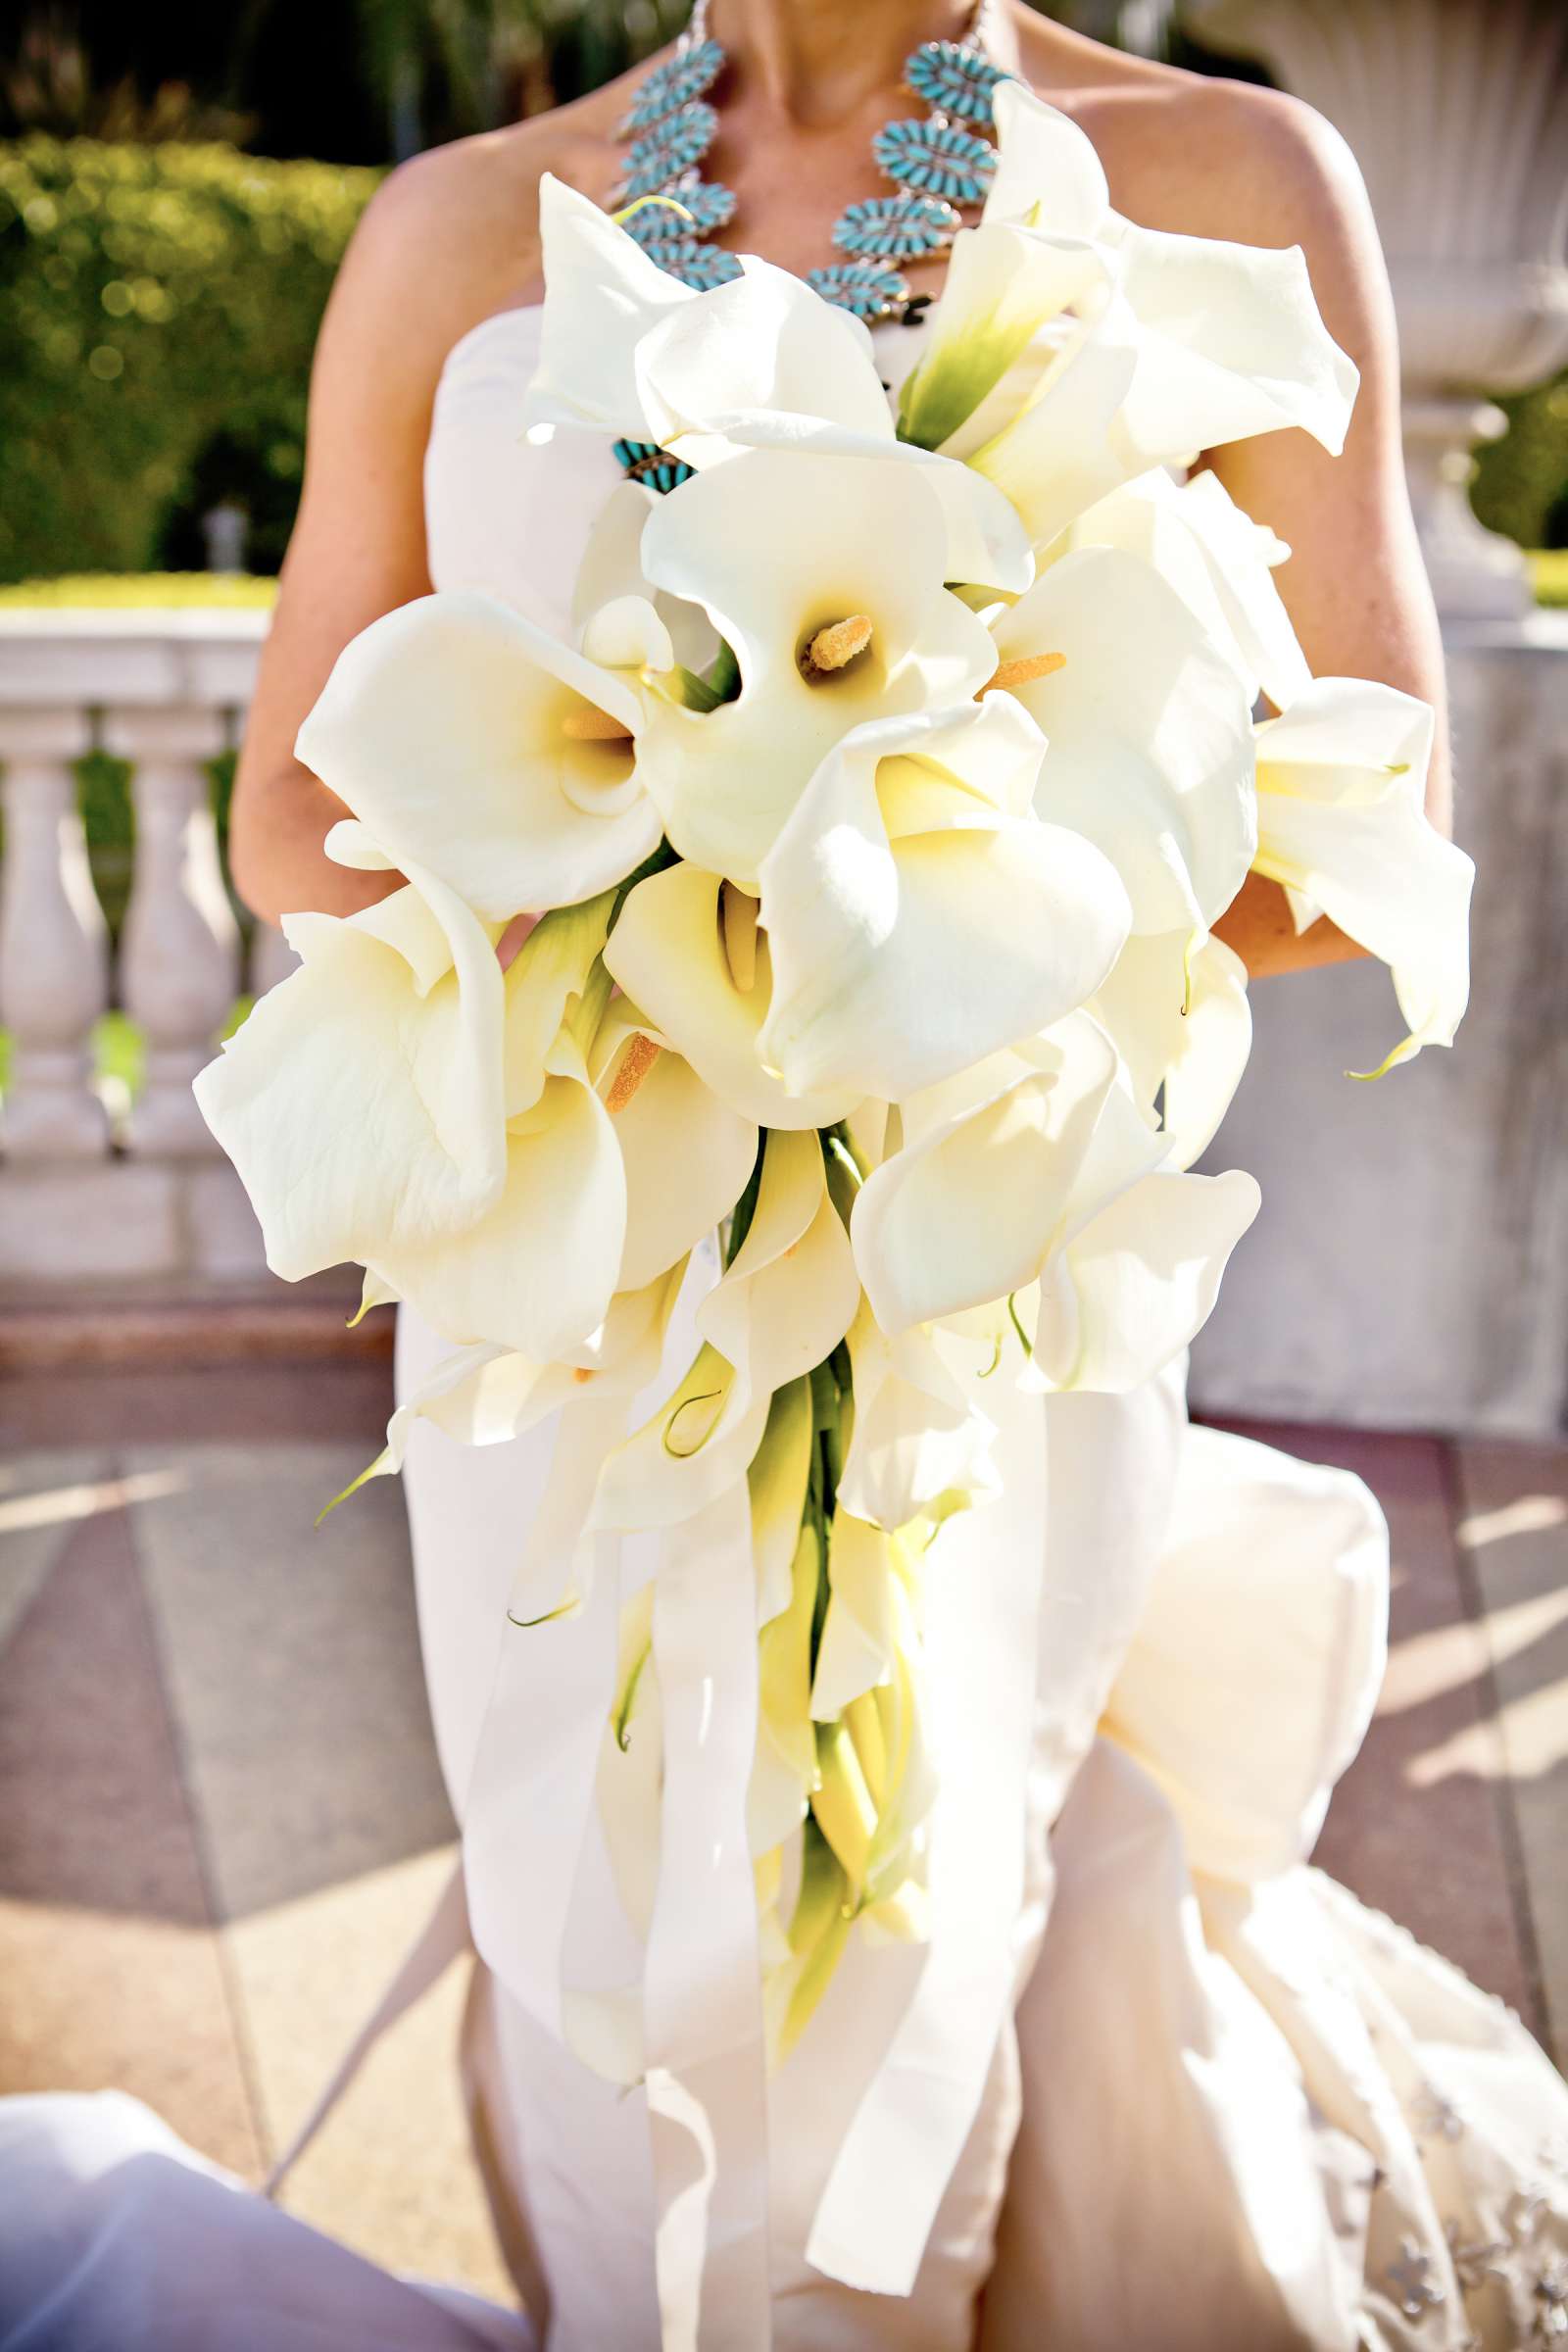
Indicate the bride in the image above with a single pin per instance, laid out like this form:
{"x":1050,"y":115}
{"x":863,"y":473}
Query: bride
{"x":1167,"y":2086}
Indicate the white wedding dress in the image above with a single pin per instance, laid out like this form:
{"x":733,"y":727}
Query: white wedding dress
{"x":1236,"y":2108}
{"x":1156,"y":2082}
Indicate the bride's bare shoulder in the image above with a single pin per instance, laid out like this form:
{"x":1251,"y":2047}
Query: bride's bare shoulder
{"x":454,"y":234}
{"x":1196,"y":153}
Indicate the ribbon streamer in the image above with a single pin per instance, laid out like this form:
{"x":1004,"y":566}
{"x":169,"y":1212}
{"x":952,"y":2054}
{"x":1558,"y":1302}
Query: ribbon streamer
{"x":703,"y":2008}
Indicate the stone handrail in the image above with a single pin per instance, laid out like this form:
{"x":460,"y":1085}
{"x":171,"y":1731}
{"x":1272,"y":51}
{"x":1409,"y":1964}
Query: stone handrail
{"x":166,"y":691}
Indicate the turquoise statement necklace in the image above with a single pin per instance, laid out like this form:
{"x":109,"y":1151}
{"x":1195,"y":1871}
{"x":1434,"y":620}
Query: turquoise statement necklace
{"x":940,"y":163}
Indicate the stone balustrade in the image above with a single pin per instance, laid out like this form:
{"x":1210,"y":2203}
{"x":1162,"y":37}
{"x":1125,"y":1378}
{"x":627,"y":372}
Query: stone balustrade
{"x":1411,"y":1265}
{"x":145,"y":1196}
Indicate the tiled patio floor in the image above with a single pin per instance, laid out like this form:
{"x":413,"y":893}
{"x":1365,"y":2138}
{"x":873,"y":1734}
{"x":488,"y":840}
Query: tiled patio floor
{"x":221,"y":1816}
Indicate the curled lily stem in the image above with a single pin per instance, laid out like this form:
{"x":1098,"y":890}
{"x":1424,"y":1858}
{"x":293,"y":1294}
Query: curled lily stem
{"x":623,"y":1722}
{"x":639,"y":202}
{"x":564,"y":1608}
{"x":684,"y":1454}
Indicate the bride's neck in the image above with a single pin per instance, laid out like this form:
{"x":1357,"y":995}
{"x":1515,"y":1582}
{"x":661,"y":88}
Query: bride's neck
{"x":817,"y":60}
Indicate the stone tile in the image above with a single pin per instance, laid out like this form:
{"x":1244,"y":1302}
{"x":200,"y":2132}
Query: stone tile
{"x":1419,"y":1825}
{"x":243,"y":1404}
{"x":1513,"y":1531}
{"x":111,"y":1970}
{"x":291,"y":1657}
{"x":42,"y":1499}
{"x":391,"y":2173}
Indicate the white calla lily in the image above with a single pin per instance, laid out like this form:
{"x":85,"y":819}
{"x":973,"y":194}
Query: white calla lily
{"x":874,"y":557}
{"x":1059,"y":450}
{"x":602,"y":296}
{"x":539,"y":1269}
{"x":1342,"y":823}
{"x":1013,"y":1132}
{"x":688,"y":950}
{"x":361,"y":1100}
{"x":1139,"y":1280}
{"x":471,"y":744}
{"x":1150,"y":732}
{"x":918,"y":914}
{"x":687,"y":1156}
{"x":1182,"y":1023}
{"x":373,"y":1114}
{"x":1230,"y":340}
{"x":1005,"y":283}
{"x":1196,"y":343}
{"x":761,"y":362}
{"x":1219,"y":562}
{"x":487,"y":1396}
{"x":612,"y":568}
{"x":919,"y":1446}
{"x":785,"y":1302}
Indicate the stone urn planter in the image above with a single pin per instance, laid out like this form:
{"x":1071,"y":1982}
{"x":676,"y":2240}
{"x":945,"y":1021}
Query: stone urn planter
{"x":1458,"y":113}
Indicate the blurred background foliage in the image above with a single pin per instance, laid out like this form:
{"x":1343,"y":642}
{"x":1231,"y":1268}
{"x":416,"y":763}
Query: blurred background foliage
{"x":177,"y":189}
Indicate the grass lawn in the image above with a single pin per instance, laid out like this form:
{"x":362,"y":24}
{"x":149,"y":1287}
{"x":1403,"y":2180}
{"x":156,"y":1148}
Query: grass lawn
{"x":1548,"y":571}
{"x":111,"y":591}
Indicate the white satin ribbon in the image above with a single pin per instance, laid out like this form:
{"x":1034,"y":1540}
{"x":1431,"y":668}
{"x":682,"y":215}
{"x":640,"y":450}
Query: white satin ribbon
{"x":531,"y":1796}
{"x":983,"y":1581}
{"x":702,"y":1986}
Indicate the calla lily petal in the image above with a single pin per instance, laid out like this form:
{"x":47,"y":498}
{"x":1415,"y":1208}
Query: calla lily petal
{"x":1139,"y":1280}
{"x":1220,"y":563}
{"x":1003,"y":284}
{"x":917,"y":919}
{"x":1342,"y":780}
{"x":1231,"y":345}
{"x":1181,"y":1021}
{"x":782,"y":1307}
{"x":603,"y":296}
{"x":920,"y":1445}
{"x":487,"y":1394}
{"x":859,"y":1629}
{"x":361,"y":1100}
{"x":686,"y":1154}
{"x":667,"y":953}
{"x":1013,"y":1133}
{"x":1047,"y":170}
{"x":1149,"y":732}
{"x":546,"y":980}
{"x":463,"y":736}
{"x":877,"y":550}
{"x":538,"y":1270}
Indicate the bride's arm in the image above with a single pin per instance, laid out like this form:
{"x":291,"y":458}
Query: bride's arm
{"x":444,"y":241}
{"x":1354,"y":585}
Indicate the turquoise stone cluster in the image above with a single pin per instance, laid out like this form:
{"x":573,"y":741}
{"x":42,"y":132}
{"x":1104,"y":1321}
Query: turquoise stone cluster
{"x":937,"y":163}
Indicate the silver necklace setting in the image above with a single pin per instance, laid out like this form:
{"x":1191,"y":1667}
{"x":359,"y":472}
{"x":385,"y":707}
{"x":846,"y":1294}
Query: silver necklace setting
{"x":940,"y":163}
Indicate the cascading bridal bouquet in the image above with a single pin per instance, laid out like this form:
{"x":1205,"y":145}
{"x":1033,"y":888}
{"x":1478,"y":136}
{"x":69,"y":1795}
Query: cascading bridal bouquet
{"x":850,"y":1080}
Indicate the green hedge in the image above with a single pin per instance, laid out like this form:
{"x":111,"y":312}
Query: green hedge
{"x":158,"y":308}
{"x":1521,"y":484}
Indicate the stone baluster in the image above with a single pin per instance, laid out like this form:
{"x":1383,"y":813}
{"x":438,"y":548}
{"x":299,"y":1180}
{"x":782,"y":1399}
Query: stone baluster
{"x":272,"y":959}
{"x":179,"y":955}
{"x":54,"y":945}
